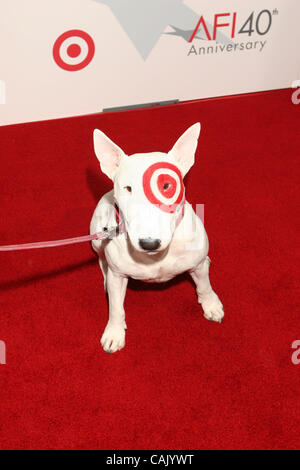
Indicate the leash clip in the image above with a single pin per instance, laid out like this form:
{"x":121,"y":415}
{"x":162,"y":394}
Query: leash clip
{"x":109,"y":233}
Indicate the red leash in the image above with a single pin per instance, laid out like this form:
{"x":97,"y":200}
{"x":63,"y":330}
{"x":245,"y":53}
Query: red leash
{"x":71,"y":241}
{"x":67,"y":241}
{"x":64,"y":241}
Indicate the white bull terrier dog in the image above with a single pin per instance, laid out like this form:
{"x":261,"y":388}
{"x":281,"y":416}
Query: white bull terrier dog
{"x":160,"y":235}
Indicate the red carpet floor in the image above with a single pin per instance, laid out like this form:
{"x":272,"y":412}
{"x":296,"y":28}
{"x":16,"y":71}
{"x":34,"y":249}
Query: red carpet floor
{"x":181,"y":382}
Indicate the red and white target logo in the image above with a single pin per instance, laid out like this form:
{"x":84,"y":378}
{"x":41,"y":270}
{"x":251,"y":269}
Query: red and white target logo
{"x":73,"y":50}
{"x":163,"y":185}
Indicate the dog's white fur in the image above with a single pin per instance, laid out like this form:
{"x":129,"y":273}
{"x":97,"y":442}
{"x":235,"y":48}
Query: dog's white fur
{"x":183,"y":247}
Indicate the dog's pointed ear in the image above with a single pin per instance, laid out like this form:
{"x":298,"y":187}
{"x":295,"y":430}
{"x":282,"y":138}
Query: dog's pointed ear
{"x":185,"y":148}
{"x":108,"y":153}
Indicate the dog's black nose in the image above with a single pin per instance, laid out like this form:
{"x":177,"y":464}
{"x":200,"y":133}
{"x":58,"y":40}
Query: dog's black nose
{"x":149,"y":244}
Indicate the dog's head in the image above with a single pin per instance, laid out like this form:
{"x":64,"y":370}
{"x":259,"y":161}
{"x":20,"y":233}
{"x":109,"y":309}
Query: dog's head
{"x":148,"y":187}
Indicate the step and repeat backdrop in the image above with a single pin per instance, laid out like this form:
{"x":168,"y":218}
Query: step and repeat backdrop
{"x":62,"y":58}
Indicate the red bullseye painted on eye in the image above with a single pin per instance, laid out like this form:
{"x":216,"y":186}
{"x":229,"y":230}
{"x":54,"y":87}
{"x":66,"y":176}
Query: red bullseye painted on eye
{"x":163,"y":186}
{"x":166,"y":185}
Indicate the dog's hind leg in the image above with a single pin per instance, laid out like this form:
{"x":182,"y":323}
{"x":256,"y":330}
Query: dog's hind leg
{"x":113,"y":337}
{"x":211,"y":304}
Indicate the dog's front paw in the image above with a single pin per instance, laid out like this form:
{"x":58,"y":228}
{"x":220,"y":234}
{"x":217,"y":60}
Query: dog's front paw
{"x":212,"y":307}
{"x":113,"y":338}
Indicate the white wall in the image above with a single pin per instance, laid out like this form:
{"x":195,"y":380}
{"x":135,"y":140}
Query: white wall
{"x":135,"y":60}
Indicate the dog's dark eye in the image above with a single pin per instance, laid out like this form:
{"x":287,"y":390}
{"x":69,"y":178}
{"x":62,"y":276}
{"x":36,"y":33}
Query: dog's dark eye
{"x":128,"y":188}
{"x":166,"y":186}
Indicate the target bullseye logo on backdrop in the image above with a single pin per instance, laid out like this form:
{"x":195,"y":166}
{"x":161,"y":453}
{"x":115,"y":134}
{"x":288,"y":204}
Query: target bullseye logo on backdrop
{"x":73,"y":50}
{"x":163,"y":186}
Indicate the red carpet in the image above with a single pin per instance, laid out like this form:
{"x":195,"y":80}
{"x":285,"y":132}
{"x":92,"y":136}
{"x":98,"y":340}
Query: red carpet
{"x":181,"y":382}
